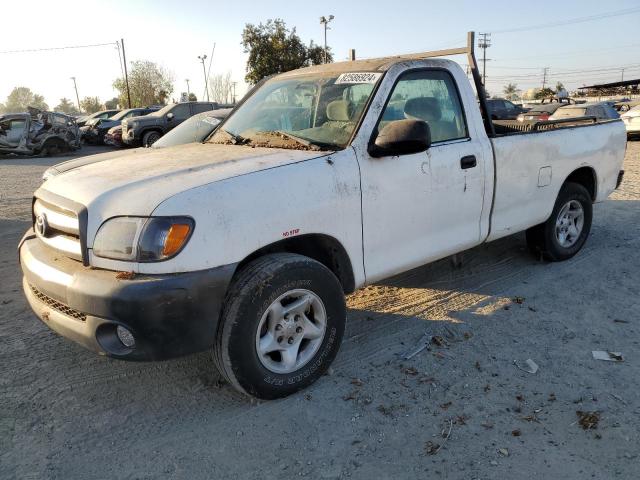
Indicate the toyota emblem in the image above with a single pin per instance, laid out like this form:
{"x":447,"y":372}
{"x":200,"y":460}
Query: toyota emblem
{"x":41,"y":224}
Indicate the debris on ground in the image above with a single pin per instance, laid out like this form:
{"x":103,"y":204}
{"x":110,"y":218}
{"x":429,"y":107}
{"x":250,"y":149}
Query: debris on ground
{"x":357,"y":382}
{"x":588,"y":420}
{"x":504,"y":452}
{"x":531,"y":367}
{"x":618,"y":320}
{"x":518,"y":300}
{"x":410,"y":371}
{"x":431,"y":448}
{"x":516,"y":432}
{"x":607,"y":356}
{"x":424,"y":342}
{"x":445,"y":406}
{"x":487,"y":425}
{"x":552,"y":397}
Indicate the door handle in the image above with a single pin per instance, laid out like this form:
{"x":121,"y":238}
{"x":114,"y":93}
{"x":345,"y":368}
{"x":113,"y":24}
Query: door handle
{"x":468,"y":162}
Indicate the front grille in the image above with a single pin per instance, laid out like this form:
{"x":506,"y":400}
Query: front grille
{"x":62,"y":230}
{"x":56,"y":305}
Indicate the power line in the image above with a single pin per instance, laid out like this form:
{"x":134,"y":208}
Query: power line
{"x":571,"y":21}
{"x":29,"y":50}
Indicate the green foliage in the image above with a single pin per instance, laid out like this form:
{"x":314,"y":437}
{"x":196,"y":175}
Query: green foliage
{"x":544,"y":93}
{"x":559,"y":87}
{"x":273,"y":48}
{"x":66,"y":106}
{"x":149,"y":83}
{"x":22,"y":97}
{"x":111,"y":104}
{"x":511,"y":92}
{"x":91,"y":105}
{"x":192,"y":97}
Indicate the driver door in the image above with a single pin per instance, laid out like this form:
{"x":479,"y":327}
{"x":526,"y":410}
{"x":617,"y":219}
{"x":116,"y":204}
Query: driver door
{"x":420,"y":207}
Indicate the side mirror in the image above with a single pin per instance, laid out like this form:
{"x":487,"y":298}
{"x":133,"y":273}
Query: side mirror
{"x":401,"y":137}
{"x":170,"y":116}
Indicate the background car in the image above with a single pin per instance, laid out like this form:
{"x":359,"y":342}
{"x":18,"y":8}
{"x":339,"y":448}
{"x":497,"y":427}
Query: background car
{"x":148,"y":129}
{"x":113,"y":136}
{"x":95,"y":130}
{"x":501,"y":109}
{"x":82,"y":120}
{"x":600,"y":110}
{"x":540,"y":112}
{"x":196,"y":129}
{"x":631,"y":121}
{"x":626,"y":105}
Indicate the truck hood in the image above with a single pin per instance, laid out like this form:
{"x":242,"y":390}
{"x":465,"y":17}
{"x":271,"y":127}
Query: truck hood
{"x":100,"y":157}
{"x":137,"y":182}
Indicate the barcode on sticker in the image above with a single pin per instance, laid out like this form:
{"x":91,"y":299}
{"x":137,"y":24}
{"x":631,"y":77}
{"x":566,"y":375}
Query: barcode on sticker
{"x":358,"y":77}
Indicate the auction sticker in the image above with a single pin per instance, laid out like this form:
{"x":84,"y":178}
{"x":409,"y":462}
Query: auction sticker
{"x":358,"y":77}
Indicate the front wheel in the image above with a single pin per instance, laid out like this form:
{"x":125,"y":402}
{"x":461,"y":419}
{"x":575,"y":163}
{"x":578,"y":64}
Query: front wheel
{"x":567,"y":229}
{"x":150,"y":138}
{"x":281,"y":325}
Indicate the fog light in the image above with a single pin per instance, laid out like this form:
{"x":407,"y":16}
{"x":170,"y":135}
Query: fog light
{"x":126,"y":337}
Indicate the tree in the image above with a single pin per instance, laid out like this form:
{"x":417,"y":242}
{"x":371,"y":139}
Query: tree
{"x":221,"y":88}
{"x":22,"y":97}
{"x":560,"y":87}
{"x":544,"y":93}
{"x":66,"y":106}
{"x":91,"y":105}
{"x":273,"y":48}
{"x":149,"y":84}
{"x":192,"y":97}
{"x":511,"y":91}
{"x":111,"y":104}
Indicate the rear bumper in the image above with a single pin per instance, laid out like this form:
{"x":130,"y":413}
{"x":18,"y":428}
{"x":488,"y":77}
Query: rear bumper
{"x":169,"y":315}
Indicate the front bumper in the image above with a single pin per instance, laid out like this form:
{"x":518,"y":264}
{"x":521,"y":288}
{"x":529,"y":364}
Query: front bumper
{"x":129,"y":137}
{"x":169,"y":315}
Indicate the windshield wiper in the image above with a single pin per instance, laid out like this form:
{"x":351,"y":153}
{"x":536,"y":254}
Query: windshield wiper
{"x":310,"y":144}
{"x":235,"y":139}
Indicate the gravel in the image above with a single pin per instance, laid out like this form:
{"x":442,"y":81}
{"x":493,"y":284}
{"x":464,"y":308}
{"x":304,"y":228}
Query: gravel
{"x":67,"y":413}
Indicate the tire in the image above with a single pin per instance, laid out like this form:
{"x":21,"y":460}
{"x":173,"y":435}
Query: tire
{"x":53,"y":147}
{"x":150,"y":138}
{"x":566,"y":231}
{"x":251,"y":318}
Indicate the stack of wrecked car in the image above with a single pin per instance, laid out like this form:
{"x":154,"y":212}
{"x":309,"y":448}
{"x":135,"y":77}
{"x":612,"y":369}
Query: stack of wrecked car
{"x":38,"y":132}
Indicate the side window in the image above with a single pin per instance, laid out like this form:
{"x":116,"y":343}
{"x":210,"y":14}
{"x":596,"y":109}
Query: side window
{"x":428,"y":95}
{"x":181,"y":112}
{"x":509,"y":106}
{"x":201,"y":107}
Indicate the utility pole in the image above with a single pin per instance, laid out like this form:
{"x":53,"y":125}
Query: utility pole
{"x":352,"y":54}
{"x":484,"y":42}
{"x":325,"y":21}
{"x":233,"y":84}
{"x":204,"y":72}
{"x":126,"y":75}
{"x":188,"y":91}
{"x":545,"y":72}
{"x":622,"y":74}
{"x":77,"y":96}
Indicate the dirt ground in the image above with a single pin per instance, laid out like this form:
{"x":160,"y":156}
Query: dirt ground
{"x":461,"y":410}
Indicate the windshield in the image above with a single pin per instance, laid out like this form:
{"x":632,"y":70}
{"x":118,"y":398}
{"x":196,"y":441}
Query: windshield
{"x":194,"y":129}
{"x":120,"y":115}
{"x":318,"y":112}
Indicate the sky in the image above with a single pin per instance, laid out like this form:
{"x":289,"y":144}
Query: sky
{"x":525,"y":38}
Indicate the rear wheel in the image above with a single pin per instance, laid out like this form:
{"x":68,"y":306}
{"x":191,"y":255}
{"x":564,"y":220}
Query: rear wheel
{"x":281,"y":326}
{"x":150,"y":138}
{"x":567,"y":229}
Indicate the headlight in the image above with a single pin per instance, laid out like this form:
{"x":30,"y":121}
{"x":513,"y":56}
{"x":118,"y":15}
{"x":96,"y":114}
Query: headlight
{"x":142,"y":239}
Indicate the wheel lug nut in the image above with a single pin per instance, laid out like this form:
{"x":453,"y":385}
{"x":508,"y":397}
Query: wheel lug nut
{"x":290,"y":341}
{"x":278,"y":327}
{"x":296,"y":318}
{"x":299,"y":330}
{"x":280,"y":339}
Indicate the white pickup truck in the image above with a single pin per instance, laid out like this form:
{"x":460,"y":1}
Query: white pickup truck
{"x":323,"y":180}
